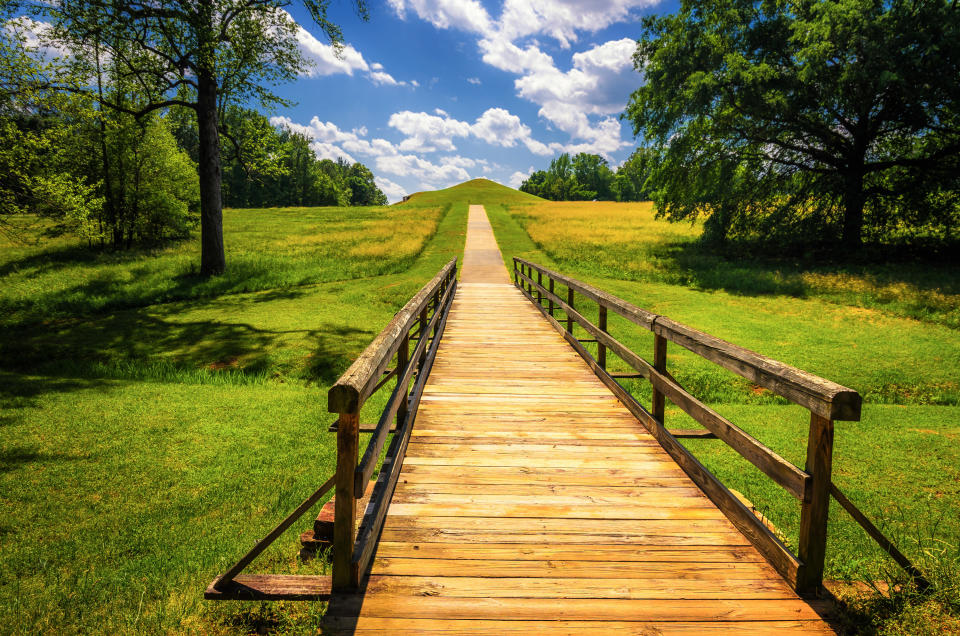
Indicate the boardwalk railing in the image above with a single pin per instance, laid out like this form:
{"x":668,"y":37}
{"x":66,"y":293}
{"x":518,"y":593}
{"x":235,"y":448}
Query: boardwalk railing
{"x":826,"y":401}
{"x":421,"y":320}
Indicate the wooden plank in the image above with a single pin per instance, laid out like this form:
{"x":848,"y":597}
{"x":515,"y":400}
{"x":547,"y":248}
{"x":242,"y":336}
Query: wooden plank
{"x":573,"y":551}
{"x":451,"y":534}
{"x":648,"y":474}
{"x":577,"y":587}
{"x":272,"y":587}
{"x":594,"y":627}
{"x":399,"y":605}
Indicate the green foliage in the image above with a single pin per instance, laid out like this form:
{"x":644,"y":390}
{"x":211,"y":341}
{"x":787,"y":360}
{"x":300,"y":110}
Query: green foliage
{"x":588,"y":177}
{"x":36,"y":174}
{"x":804,"y":121}
{"x":267,"y":166}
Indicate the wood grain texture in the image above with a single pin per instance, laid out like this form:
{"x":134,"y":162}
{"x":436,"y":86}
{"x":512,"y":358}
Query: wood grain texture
{"x":531,"y":500}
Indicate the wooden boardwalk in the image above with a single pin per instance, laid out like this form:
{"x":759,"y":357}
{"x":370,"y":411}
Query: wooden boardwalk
{"x":531,"y":500}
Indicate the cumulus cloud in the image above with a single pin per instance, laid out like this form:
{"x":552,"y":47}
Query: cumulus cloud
{"x":499,"y":127}
{"x":577,"y":101}
{"x":324,"y":59}
{"x":518,"y":177}
{"x":474,"y":80}
{"x":426,"y":132}
{"x":428,"y":172}
{"x":466,"y":15}
{"x":394,"y":191}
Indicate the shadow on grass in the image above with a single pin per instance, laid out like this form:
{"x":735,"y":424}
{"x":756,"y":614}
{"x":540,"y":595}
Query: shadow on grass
{"x":12,"y":458}
{"x":745,"y":270}
{"x":52,"y":260}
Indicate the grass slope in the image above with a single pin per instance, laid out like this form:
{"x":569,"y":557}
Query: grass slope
{"x":148,"y":441}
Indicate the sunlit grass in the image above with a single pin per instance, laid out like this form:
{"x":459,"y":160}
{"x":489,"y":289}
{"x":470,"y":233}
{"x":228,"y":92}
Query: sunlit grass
{"x":626,"y":241}
{"x":146,"y":445}
{"x":266,"y":249}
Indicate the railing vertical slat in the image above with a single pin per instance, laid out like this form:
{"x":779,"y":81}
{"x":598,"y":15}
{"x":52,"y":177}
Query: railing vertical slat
{"x":570,"y":303}
{"x":345,"y":503}
{"x":551,"y":300}
{"x":602,"y":348}
{"x":403,"y":360}
{"x":812,"y":546}
{"x":657,"y":408}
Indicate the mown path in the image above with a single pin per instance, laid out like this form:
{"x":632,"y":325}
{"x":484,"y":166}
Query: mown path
{"x":532,"y":501}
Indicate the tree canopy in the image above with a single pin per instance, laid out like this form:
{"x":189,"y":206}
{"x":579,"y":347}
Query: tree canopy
{"x":827,"y":120}
{"x":197,"y":55}
{"x":586,"y":177}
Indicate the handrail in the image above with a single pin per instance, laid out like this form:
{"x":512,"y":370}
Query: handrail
{"x":827,"y":401}
{"x":356,"y":384}
{"x":426,"y":312}
{"x":823,"y":397}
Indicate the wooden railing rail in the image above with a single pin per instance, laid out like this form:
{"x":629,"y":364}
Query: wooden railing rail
{"x":422,"y":320}
{"x":826,"y":400}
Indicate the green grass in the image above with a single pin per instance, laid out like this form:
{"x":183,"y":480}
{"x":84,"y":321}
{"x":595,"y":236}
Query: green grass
{"x":899,"y":464}
{"x":626,"y":242}
{"x":146,"y":445}
{"x":153,"y":425}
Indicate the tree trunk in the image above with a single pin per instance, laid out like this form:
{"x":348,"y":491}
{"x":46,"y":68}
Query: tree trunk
{"x":853,"y":200}
{"x":212,"y":260}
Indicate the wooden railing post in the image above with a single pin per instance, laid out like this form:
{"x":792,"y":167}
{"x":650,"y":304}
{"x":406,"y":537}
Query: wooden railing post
{"x":516,"y":277}
{"x":539,"y":293}
{"x":602,"y":348}
{"x":815,"y":507}
{"x":403,"y":360}
{"x":570,"y":303}
{"x":551,"y":298}
{"x":345,"y":577}
{"x":657,"y":407}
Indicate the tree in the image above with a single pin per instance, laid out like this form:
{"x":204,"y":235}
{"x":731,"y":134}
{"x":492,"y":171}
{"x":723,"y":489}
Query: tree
{"x":824,"y":117}
{"x":631,"y":180}
{"x":198,"y":55}
{"x":593,"y":175}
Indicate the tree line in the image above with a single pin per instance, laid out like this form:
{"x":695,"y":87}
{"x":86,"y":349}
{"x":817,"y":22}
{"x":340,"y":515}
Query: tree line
{"x":588,"y":177}
{"x":198,"y":56}
{"x":103,"y":171}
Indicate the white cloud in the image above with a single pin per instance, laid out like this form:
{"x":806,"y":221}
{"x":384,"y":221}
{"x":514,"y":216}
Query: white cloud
{"x":577,"y":101}
{"x":394,"y":191}
{"x":426,"y":132}
{"x":474,"y":80}
{"x":518,"y":177}
{"x":563,"y":19}
{"x":499,"y":127}
{"x":466,"y":15}
{"x":325,"y":59}
{"x":426,"y":171}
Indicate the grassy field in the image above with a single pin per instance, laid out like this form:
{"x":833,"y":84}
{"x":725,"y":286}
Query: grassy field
{"x":155,"y":424}
{"x":891,"y":335}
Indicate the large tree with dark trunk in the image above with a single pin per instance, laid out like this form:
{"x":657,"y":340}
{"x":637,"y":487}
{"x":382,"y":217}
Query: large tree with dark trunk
{"x":200,"y":55}
{"x":830,"y":119}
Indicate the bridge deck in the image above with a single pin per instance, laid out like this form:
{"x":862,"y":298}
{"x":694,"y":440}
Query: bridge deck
{"x":532,"y":501}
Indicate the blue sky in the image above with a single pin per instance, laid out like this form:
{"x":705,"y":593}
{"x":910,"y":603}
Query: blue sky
{"x":430,"y":93}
